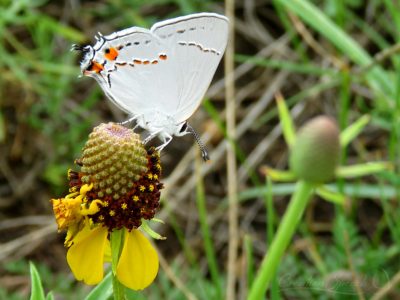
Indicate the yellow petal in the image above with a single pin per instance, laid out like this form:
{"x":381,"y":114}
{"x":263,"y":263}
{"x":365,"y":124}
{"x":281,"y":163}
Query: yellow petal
{"x":92,"y":209}
{"x":138,"y":264}
{"x":85,"y":188}
{"x":86,"y":255}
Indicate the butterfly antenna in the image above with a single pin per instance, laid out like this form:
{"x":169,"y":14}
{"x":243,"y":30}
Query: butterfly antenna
{"x":204,"y":152}
{"x":76,"y":47}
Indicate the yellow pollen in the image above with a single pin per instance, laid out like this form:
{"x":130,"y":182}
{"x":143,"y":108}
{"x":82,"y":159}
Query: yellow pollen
{"x":150,"y":176}
{"x":142,"y":188}
{"x":151,"y":187}
{"x":112,"y":213}
{"x":101,"y":218}
{"x":158,"y":166}
{"x":124,"y":206}
{"x":155,"y":176}
{"x":74,"y":189}
{"x":105,"y":204}
{"x":135,"y":198}
{"x":84,"y":199}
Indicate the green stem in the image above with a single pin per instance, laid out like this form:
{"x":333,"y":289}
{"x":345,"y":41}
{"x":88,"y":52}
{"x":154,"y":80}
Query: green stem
{"x":282,"y":238}
{"x":118,"y":289}
{"x":116,"y":240}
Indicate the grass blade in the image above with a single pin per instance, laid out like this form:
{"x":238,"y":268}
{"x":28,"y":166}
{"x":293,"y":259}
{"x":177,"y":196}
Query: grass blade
{"x":37,"y":292}
{"x":376,"y":77}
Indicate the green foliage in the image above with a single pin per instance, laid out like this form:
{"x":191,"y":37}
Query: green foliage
{"x":41,"y":278}
{"x":298,"y":277}
{"x":37,"y":292}
{"x":103,"y":290}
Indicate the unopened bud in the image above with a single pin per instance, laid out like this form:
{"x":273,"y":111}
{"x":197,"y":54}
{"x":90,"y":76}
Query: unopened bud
{"x":315,"y":153}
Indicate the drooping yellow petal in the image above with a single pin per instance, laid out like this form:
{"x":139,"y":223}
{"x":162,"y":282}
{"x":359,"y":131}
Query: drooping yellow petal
{"x":138,"y":264}
{"x":86,"y":255}
{"x":67,"y":211}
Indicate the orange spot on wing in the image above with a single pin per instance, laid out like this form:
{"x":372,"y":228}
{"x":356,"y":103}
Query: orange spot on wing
{"x":137,"y":61}
{"x":146,"y":62}
{"x":154,"y":62}
{"x":111,"y":53}
{"x":95,"y":67}
{"x":163,"y":56}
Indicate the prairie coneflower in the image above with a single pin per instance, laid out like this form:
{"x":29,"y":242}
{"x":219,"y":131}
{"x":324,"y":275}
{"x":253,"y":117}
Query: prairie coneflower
{"x":116,"y":189}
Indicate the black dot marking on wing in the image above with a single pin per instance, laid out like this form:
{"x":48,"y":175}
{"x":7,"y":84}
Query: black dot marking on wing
{"x":109,"y":80}
{"x":137,"y":43}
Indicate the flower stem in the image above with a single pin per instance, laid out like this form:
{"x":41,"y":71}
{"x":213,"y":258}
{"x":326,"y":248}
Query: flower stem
{"x":282,"y":238}
{"x":118,"y":289}
{"x":116,"y":239}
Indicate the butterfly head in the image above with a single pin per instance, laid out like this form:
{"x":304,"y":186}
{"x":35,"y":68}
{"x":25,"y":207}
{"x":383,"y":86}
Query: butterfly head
{"x":88,"y":64}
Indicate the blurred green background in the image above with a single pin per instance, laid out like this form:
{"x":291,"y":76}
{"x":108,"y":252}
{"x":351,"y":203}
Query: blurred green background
{"x":345,"y":68}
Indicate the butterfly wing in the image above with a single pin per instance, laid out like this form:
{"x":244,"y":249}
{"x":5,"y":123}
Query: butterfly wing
{"x":196,"y":44}
{"x":137,"y":73}
{"x":167,"y":68}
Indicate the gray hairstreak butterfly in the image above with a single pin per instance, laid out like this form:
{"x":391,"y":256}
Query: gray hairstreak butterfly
{"x":159,"y":75}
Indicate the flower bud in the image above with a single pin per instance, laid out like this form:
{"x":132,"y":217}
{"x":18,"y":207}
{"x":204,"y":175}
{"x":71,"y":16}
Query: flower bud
{"x":315,"y":153}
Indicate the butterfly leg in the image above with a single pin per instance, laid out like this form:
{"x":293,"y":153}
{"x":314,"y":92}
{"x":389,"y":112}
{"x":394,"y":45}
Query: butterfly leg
{"x":130,"y":120}
{"x":151,"y":136}
{"x":167,"y":138}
